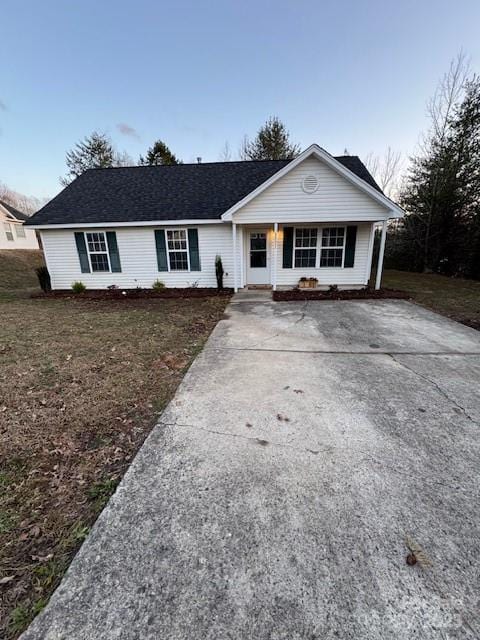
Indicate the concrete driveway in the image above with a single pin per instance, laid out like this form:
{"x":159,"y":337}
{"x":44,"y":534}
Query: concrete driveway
{"x":308,"y":446}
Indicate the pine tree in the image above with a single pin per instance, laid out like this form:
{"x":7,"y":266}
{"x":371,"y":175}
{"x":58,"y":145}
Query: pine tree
{"x":441,"y":195}
{"x":272,"y":142}
{"x":94,"y":151}
{"x":159,"y":154}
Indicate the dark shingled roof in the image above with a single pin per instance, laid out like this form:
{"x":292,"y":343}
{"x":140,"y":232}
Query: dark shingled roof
{"x":176,"y":192}
{"x":18,"y":215}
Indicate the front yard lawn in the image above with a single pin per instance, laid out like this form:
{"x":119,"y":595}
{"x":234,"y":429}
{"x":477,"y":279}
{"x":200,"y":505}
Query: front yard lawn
{"x":453,"y":297}
{"x":81,"y":385}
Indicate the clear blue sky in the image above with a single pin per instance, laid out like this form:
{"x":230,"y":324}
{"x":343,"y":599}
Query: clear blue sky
{"x":342,"y":73}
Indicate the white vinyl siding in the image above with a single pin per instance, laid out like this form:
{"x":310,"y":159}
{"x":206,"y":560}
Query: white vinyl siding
{"x":136,"y":246}
{"x":335,"y":200}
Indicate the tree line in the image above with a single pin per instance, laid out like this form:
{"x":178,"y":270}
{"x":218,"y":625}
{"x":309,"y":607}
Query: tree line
{"x":272,"y":142}
{"x":439,"y":190}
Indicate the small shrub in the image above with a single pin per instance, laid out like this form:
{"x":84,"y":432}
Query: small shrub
{"x":78,"y":287}
{"x":193,"y":285}
{"x":158,"y":285}
{"x":112,"y":287}
{"x":333,"y":288}
{"x":219,"y":271}
{"x":44,"y":279}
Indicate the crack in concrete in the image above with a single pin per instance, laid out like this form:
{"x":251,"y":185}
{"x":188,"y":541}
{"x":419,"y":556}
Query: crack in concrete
{"x":303,"y":312}
{"x":256,"y":439}
{"x":367,"y":456}
{"x":436,"y":386}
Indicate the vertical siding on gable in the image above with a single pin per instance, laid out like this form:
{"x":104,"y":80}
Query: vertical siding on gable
{"x":336,"y":199}
{"x":138,"y":257}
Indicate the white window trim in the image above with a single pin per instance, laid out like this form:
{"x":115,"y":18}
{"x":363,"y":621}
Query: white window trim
{"x":7,"y":228}
{"x":318,"y":229}
{"x":175,"y":251}
{"x":334,"y":226}
{"x":318,"y":248}
{"x":85,"y":233}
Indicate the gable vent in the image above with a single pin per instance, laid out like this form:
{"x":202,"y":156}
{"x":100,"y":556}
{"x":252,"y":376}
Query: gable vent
{"x":310,"y":184}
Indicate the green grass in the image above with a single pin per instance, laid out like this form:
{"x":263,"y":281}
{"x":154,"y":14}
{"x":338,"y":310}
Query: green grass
{"x":456,"y":298}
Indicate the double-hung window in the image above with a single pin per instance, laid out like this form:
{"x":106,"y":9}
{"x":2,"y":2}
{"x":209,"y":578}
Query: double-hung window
{"x":20,"y":230}
{"x":97,"y":251}
{"x":8,"y":230}
{"x":333,"y":247}
{"x":177,"y":249}
{"x":305,"y":247}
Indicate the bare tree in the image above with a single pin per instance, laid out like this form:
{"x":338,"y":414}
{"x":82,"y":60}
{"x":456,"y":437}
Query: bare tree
{"x":449,"y":89}
{"x":440,"y":110}
{"x":225,"y":153}
{"x":24,"y":204}
{"x":243,"y":148}
{"x":386,"y":170}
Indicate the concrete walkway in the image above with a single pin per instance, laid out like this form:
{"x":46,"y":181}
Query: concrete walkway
{"x":307,"y":448}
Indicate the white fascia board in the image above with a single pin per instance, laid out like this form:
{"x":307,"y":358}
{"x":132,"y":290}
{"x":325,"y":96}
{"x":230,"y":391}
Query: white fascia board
{"x":115,"y":225}
{"x":393,"y":210}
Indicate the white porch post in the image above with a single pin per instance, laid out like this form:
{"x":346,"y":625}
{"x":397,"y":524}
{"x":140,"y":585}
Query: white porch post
{"x":275,"y":249}
{"x":378,"y":279}
{"x":234,"y":243}
{"x":241,"y":247}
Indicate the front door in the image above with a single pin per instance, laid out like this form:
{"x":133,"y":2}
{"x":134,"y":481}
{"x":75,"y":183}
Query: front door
{"x":258,"y":269}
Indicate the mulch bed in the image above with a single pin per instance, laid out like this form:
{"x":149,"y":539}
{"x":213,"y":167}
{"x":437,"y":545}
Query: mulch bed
{"x":135,"y":294}
{"x":346,"y":294}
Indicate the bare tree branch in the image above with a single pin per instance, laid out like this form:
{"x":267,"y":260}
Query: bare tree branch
{"x":225,"y":153}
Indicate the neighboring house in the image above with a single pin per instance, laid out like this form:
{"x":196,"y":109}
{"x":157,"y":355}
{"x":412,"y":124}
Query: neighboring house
{"x":13,"y":232}
{"x":272,"y":222}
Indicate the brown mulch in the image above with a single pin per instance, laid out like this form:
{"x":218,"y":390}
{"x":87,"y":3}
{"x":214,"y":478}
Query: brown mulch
{"x":343,"y":294}
{"x":136,"y":294}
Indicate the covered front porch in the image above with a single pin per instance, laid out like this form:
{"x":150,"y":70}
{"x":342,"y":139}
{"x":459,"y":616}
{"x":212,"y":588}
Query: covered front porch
{"x":278,"y":255}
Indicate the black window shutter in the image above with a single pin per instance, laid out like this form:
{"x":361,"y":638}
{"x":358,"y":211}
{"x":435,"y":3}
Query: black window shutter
{"x":287,"y":247}
{"x":193,"y":249}
{"x":161,"y":250}
{"x":113,"y":251}
{"x":82,"y":252}
{"x":350,"y":243}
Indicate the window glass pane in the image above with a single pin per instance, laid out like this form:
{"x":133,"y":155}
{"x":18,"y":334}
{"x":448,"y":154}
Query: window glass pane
{"x":258,"y":259}
{"x":305,"y":257}
{"x":99,"y":261}
{"x":333,"y":237}
{"x":20,"y":231}
{"x":258,"y":241}
{"x":306,"y":238}
{"x":177,"y":239}
{"x":331,"y":257}
{"x":96,"y":242}
{"x":178,"y":260}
